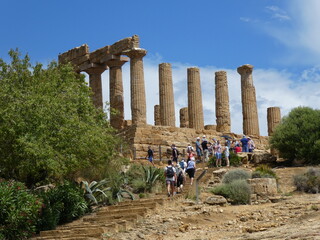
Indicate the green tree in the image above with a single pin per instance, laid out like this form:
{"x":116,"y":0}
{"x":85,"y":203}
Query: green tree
{"x":297,"y":137}
{"x":49,"y":128}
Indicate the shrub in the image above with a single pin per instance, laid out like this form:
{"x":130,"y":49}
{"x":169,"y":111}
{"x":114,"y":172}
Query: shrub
{"x":297,"y":136}
{"x":238,"y":191}
{"x":139,"y":185}
{"x":235,"y":159}
{"x":62,"y":204}
{"x":19,"y":210}
{"x":236,"y":174}
{"x":308,"y":182}
{"x":264,"y":171}
{"x":96,"y":192}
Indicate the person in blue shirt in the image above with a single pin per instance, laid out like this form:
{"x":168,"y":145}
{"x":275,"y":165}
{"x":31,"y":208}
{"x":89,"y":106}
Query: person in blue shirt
{"x":244,"y":142}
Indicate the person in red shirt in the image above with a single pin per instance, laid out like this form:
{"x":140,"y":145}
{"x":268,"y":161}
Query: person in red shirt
{"x":237,"y":149}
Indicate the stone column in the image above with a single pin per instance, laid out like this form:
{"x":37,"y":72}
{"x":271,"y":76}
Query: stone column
{"x":184,"y":117}
{"x":138,"y":94}
{"x":166,"y":98}
{"x":249,"y":102}
{"x":116,"y":91}
{"x":157,"y":121}
{"x":222,"y":102}
{"x":95,"y":84}
{"x":274,"y":118}
{"x":195,"y":110}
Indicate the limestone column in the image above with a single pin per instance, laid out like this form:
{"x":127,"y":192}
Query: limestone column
{"x":166,"y":98}
{"x":184,"y":117}
{"x":195,"y":110}
{"x":157,"y":121}
{"x":274,"y":118}
{"x":95,"y":84}
{"x":249,"y":102}
{"x":137,"y":87}
{"x":116,"y":91}
{"x":222,"y":102}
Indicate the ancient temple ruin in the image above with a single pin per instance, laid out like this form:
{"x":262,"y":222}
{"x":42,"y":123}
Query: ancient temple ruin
{"x":164,"y":132}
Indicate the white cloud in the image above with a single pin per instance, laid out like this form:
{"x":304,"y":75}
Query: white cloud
{"x":273,"y":88}
{"x":277,"y":13}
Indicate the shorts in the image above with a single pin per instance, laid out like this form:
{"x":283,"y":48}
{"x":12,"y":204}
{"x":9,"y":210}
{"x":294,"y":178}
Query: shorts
{"x":218,"y":155}
{"x":175,"y":159}
{"x":191,"y":172}
{"x":198,"y":152}
{"x":180,"y":181}
{"x":150,"y":159}
{"x":170,"y":182}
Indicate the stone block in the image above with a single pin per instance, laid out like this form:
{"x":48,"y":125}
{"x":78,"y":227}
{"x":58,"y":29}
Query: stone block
{"x":98,"y":54}
{"x":73,"y":53}
{"x":124,"y":45}
{"x":263,"y":186}
{"x":210,"y":127}
{"x":216,"y":200}
{"x":263,"y":158}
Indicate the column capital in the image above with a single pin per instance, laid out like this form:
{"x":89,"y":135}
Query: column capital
{"x":117,"y":62}
{"x":93,"y":68}
{"x":247,"y":68}
{"x":221,"y":73}
{"x":136,"y":53}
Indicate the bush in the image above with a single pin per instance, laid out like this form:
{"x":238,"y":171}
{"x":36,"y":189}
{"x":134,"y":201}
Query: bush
{"x":62,"y":204}
{"x":19,"y":211}
{"x":264,"y":171}
{"x":235,"y":159}
{"x":308,"y":182}
{"x":139,"y":185}
{"x":297,"y":137}
{"x":238,"y":191}
{"x":236,"y":174}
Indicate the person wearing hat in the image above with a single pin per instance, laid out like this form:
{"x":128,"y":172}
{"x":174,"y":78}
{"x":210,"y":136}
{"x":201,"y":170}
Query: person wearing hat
{"x":244,"y":141}
{"x":198,"y":148}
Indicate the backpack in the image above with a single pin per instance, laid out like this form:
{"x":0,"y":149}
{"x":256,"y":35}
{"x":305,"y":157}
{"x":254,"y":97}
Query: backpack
{"x":169,"y":172}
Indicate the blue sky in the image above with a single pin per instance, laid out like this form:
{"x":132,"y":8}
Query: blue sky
{"x":279,"y":37}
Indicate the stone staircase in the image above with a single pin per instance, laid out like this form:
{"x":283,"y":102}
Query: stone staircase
{"x":110,"y":219}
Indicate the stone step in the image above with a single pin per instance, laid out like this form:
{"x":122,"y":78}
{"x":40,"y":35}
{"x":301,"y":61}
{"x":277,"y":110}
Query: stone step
{"x":90,"y":232}
{"x":126,"y":209}
{"x":114,"y":218}
{"x":147,"y":204}
{"x":140,"y":201}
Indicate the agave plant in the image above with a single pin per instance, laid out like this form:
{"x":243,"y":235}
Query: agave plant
{"x":96,"y":192}
{"x":151,"y":175}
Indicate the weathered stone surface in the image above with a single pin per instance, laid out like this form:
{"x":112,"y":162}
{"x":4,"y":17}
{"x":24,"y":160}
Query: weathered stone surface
{"x":263,"y":158}
{"x":249,"y":102}
{"x":116,"y":91}
{"x":138,"y":95}
{"x":195,"y":109}
{"x":222,"y":102}
{"x":97,"y":55}
{"x":95,"y":84}
{"x":73,"y":53}
{"x":125,"y":44}
{"x":219,"y":173}
{"x":210,"y":127}
{"x":216,"y":200}
{"x":157,"y":120}
{"x":263,"y":186}
{"x":274,"y":118}
{"x":166,"y":98}
{"x":184,"y":117}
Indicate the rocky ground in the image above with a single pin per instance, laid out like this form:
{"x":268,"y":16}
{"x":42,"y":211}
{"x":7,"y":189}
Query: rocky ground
{"x":292,"y":216}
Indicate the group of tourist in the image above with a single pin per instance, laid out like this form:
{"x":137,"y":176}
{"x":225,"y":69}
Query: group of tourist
{"x":176,"y":171}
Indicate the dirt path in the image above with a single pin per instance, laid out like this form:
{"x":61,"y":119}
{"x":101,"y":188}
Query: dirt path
{"x":294,"y":217}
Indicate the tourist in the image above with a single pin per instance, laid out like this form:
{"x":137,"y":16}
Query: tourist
{"x":183,"y":165}
{"x":190,"y":150}
{"x":150,"y":155}
{"x":180,"y":178}
{"x":175,"y":153}
{"x":191,"y":169}
{"x":244,"y":143}
{"x":218,"y":154}
{"x":226,"y":154}
{"x":198,"y":149}
{"x":251,"y":145}
{"x":170,"y":175}
{"x":237,"y":149}
{"x":204,"y":146}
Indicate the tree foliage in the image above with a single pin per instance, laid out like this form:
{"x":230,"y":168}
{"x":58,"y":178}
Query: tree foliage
{"x":297,"y":137}
{"x":49,"y":128}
